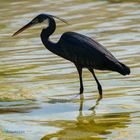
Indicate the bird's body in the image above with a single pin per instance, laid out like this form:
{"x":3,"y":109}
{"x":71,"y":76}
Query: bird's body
{"x":87,"y":53}
{"x":81,"y":50}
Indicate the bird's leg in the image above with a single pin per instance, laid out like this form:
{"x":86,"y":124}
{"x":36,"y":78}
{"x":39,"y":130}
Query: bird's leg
{"x":98,"y":84}
{"x":79,"y":69}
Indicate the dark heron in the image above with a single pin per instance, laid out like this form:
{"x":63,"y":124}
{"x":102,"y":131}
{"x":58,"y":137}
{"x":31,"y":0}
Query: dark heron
{"x":81,"y":50}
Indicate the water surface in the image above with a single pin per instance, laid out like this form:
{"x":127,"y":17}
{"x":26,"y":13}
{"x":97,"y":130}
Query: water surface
{"x":37,"y":88}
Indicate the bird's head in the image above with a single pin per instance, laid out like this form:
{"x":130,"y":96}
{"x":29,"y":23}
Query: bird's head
{"x":38,"y":19}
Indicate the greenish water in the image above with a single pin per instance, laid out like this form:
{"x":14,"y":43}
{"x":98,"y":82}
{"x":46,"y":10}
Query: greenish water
{"x":37,"y":88}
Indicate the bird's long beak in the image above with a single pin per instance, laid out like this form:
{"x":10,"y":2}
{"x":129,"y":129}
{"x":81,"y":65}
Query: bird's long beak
{"x":23,"y":28}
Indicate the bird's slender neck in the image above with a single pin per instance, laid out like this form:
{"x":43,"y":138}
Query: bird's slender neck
{"x":45,"y":34}
{"x":50,"y":29}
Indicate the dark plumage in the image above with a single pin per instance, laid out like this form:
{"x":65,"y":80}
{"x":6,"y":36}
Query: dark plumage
{"x":92,"y":54}
{"x":83,"y":51}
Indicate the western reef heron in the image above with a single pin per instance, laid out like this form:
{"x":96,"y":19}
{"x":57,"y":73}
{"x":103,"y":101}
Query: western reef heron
{"x":81,"y":50}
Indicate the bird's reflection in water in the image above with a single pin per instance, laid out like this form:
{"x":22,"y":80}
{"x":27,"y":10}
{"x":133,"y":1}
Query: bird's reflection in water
{"x":89,"y":126}
{"x":93,"y":107}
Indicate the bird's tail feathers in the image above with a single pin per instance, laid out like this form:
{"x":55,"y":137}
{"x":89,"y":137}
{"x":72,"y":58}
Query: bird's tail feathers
{"x":115,"y":65}
{"x":123,"y":69}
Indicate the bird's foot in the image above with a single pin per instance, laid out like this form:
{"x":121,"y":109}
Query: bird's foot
{"x":81,"y":97}
{"x":100,"y":97}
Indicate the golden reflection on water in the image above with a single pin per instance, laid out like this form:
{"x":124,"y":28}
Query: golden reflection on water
{"x":37,"y":87}
{"x":87,"y":127}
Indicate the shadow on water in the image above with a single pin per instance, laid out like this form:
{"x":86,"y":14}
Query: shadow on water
{"x":17,"y":110}
{"x":17,"y":107}
{"x":89,"y":126}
